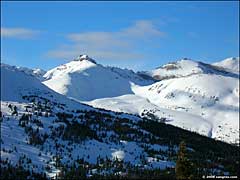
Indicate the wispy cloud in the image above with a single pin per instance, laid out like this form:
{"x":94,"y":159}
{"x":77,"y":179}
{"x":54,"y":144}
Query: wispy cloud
{"x":118,"y":45}
{"x":20,"y":33}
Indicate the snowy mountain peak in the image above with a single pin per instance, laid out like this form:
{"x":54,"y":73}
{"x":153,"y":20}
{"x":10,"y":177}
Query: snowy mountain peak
{"x":231,"y":64}
{"x":83,"y":57}
{"x":180,"y":68}
{"x":36,"y":72}
{"x":187,"y":67}
{"x":179,"y":64}
{"x":78,"y":65}
{"x":84,"y":79}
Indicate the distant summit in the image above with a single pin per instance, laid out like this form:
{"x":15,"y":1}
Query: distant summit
{"x":83,"y":57}
{"x":36,"y":72}
{"x":187,"y":67}
{"x":231,"y":64}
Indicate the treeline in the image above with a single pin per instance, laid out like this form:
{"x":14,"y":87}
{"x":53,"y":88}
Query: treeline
{"x":205,"y":153}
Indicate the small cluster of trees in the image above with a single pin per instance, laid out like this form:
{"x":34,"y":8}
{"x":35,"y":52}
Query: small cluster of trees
{"x":78,"y":132}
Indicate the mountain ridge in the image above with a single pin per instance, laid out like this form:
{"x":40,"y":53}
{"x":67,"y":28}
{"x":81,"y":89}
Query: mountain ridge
{"x":84,"y":80}
{"x":48,"y":135}
{"x":78,"y":78}
{"x":187,"y":67}
{"x":197,"y":97}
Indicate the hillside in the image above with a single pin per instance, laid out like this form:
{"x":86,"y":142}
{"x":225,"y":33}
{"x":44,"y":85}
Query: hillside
{"x":36,"y":72}
{"x":209,"y":96}
{"x":230,"y":64}
{"x":187,"y":67}
{"x":84,"y":79}
{"x":45,"y":134}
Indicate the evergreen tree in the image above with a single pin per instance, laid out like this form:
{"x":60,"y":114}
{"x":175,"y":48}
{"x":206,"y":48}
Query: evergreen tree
{"x":183,"y":165}
{"x":14,"y":110}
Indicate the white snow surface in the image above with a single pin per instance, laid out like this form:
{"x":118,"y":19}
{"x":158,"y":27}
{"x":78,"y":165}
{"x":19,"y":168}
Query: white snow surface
{"x":16,"y":83}
{"x":84,"y":79}
{"x":200,"y":98}
{"x":180,"y":68}
{"x":36,"y":72}
{"x":187,"y":67}
{"x":206,"y":101}
{"x":230,"y":64}
{"x":15,"y":142}
{"x":189,"y":92}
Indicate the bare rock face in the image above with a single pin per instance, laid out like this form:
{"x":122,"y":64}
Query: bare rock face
{"x":84,"y":57}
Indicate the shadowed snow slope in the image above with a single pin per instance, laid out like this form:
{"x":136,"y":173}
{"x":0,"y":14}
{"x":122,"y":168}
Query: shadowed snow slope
{"x":36,"y":72}
{"x":15,"y":84}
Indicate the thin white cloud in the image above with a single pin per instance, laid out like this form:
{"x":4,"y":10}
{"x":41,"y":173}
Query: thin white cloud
{"x":20,"y":33}
{"x":97,"y":39}
{"x":118,"y":45}
{"x":142,"y":29}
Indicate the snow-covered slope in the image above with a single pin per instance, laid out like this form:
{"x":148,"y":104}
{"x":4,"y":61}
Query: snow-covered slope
{"x":36,"y":121}
{"x":212,"y":98}
{"x":47,"y":133}
{"x":180,"y":68}
{"x":84,"y":79}
{"x":203,"y":98}
{"x":16,"y":83}
{"x":187,"y":67}
{"x":36,"y":72}
{"x":230,"y":64}
{"x":189,"y":92}
{"x":129,"y":103}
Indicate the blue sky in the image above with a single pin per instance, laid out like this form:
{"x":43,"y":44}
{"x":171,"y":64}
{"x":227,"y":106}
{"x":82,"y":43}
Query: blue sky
{"x":136,"y":35}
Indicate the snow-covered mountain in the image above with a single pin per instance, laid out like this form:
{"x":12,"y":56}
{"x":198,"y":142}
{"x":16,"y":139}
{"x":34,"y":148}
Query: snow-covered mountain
{"x":36,"y":72}
{"x":210,"y":100}
{"x":187,"y":67}
{"x":44,"y":121}
{"x":229,"y":64}
{"x":46,"y":134}
{"x":15,"y":84}
{"x":188,"y":92}
{"x":192,"y":92}
{"x":84,"y":79}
